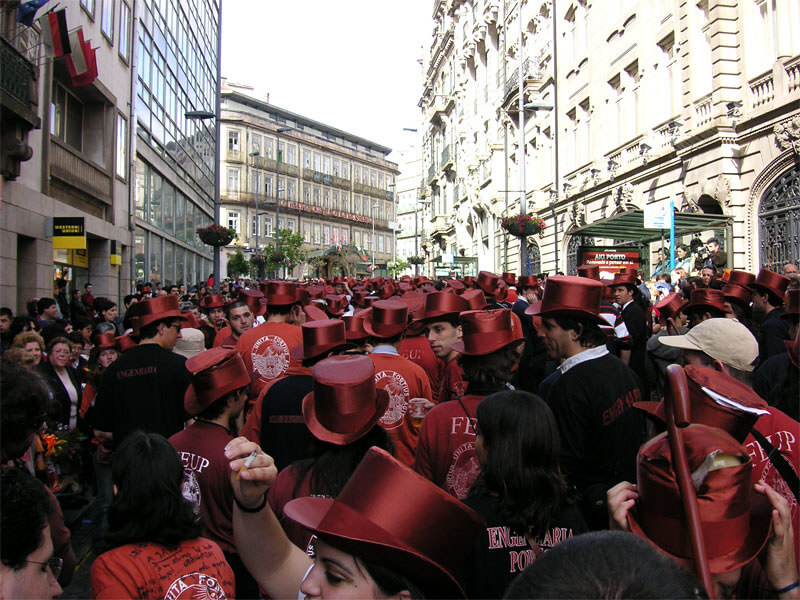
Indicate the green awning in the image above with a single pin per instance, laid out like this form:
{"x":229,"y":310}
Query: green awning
{"x":630,"y":226}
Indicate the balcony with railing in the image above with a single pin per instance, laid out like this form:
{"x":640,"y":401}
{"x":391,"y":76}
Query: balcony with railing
{"x":431,"y":174}
{"x":19,"y":101}
{"x":70,"y":167}
{"x":235,"y":155}
{"x":442,"y":104}
{"x":777,"y":85}
{"x":447,"y":158}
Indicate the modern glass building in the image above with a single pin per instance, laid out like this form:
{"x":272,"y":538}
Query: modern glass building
{"x":175,"y":72}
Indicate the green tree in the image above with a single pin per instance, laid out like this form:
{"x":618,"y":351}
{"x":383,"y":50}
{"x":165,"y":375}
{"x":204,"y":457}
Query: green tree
{"x":396,"y":266}
{"x":238,"y":265}
{"x":289,"y":252}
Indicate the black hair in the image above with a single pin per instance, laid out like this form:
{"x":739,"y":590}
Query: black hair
{"x":695,"y":244}
{"x":451,"y":319}
{"x":310,"y":362}
{"x":32,"y":307}
{"x":234,"y":305}
{"x":87,"y":284}
{"x":712,"y":240}
{"x":150,"y":330}
{"x":43,"y":304}
{"x":149,"y":505}
{"x":605,"y":564}
{"x":6,"y":312}
{"x":18,"y":325}
{"x":102,"y":304}
{"x":493,"y":368}
{"x":23,"y":404}
{"x":331,"y":465}
{"x":75,"y":337}
{"x":281,"y":310}
{"x":127,"y":299}
{"x":395,"y":339}
{"x":23,"y":519}
{"x":591,"y":336}
{"x":216,"y":408}
{"x":389,"y":581}
{"x":52,"y":331}
{"x":79,"y":323}
{"x":61,"y":283}
{"x":522,"y":444}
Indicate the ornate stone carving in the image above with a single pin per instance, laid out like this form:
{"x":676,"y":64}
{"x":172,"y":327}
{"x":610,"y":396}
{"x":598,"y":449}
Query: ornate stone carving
{"x":787,"y":135}
{"x":722,"y":190}
{"x":623,"y":196}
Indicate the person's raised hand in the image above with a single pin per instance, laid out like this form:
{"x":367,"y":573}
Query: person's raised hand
{"x":251,"y":483}
{"x":620,"y":499}
{"x":780,"y":567}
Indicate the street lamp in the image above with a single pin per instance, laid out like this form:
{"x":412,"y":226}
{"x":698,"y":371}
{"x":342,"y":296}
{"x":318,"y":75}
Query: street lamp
{"x":202,"y":115}
{"x":372,"y":216}
{"x":417,"y":204}
{"x":278,"y":133}
{"x":258,"y":183}
{"x":553,"y":202}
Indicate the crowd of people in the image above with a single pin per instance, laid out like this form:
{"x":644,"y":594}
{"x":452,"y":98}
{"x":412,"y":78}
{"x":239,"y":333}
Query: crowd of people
{"x":480,"y":437}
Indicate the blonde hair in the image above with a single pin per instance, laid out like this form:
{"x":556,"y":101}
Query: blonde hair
{"x":18,"y":356}
{"x":26,"y":337}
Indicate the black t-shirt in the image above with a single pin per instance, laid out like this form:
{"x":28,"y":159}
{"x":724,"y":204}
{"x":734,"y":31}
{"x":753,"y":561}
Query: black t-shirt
{"x":284,"y":435}
{"x":773,"y":332}
{"x":636,"y":322}
{"x":499,"y":554}
{"x":600,"y":430}
{"x":143,"y":389}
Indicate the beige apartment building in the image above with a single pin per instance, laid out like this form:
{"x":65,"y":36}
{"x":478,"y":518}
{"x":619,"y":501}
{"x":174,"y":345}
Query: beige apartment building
{"x":334,"y":188}
{"x":691,"y":102}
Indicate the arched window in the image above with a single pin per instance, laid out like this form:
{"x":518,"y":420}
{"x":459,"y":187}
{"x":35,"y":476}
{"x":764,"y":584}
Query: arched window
{"x":534,"y":259}
{"x":779,"y":221}
{"x":573,"y":249}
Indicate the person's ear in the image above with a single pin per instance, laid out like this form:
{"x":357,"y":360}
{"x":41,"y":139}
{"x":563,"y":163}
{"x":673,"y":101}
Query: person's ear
{"x":459,"y":332}
{"x":721,"y":367}
{"x":403,"y":595}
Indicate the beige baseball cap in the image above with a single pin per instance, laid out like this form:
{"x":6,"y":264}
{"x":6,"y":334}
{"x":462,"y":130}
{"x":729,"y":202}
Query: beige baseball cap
{"x":726,"y":340}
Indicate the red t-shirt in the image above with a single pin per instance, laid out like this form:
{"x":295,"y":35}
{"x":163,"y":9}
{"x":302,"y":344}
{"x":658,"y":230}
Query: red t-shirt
{"x":207,"y":482}
{"x":403,"y":380}
{"x":196,"y":569}
{"x":266,"y":350}
{"x":281,"y":492}
{"x":222,"y":336}
{"x":781,"y":431}
{"x":446,"y":449}
{"x":417,"y":349}
{"x":453,"y":385}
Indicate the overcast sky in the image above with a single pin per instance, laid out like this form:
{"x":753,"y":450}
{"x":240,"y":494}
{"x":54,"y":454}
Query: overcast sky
{"x":352,"y":64}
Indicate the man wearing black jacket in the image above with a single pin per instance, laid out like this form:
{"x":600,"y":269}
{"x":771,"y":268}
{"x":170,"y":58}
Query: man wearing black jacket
{"x":625,"y":289}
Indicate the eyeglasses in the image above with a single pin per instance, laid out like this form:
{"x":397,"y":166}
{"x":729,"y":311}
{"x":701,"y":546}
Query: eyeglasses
{"x":54,"y":563}
{"x":61,"y":352}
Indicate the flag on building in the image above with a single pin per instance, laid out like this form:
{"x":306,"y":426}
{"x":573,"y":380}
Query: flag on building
{"x":54,"y":32}
{"x":26,"y":11}
{"x":82,"y":61}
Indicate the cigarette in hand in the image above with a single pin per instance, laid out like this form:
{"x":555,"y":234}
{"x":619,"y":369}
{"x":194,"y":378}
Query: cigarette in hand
{"x":247,"y":463}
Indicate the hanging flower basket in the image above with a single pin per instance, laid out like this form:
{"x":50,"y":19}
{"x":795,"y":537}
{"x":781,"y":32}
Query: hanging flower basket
{"x":415,"y":260}
{"x":216,"y":235}
{"x":277,"y":256}
{"x":523,"y":226}
{"x":258,"y":260}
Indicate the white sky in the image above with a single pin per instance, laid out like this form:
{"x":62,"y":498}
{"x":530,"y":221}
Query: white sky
{"x":351,"y":64}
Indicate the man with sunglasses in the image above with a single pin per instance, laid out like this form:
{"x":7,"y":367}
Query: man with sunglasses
{"x":144,"y":388}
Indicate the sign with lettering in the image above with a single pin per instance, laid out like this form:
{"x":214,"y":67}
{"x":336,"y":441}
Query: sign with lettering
{"x":658,"y":215}
{"x":69,"y":232}
{"x":610,"y":260}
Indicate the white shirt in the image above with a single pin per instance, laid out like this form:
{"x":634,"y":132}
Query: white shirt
{"x":580,"y":357}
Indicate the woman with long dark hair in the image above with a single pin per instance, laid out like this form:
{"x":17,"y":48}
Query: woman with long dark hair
{"x":520,"y":491}
{"x":154,"y":532}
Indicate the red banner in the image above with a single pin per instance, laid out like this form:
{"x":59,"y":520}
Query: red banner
{"x":610,"y":260}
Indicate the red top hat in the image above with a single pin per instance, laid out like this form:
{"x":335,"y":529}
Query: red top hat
{"x":313,"y":313}
{"x":737,"y":293}
{"x":315,"y":292}
{"x":369,"y":301}
{"x":354,"y":326}
{"x":771,"y":282}
{"x":281,"y":293}
{"x":212,"y":301}
{"x":255,"y":300}
{"x":404,"y":286}
{"x":716,"y":400}
{"x":735,"y":521}
{"x":670,"y":306}
{"x":319,"y":337}
{"x":424,"y":537}
{"x":155,"y":309}
{"x":387,"y":290}
{"x":191,"y":321}
{"x":339,"y":280}
{"x":126,"y":342}
{"x":622,"y":278}
{"x":345,"y":403}
{"x":469,"y":281}
{"x":215,"y":374}
{"x":358,"y":297}
{"x":740,"y":277}
{"x":475,"y":299}
{"x":509,"y":278}
{"x":440,"y":306}
{"x":564,"y":294}
{"x":105,"y":341}
{"x":527,"y":281}
{"x":707,"y":298}
{"x":589,"y":271}
{"x":387,"y":318}
{"x":502,"y":291}
{"x":456,"y":285}
{"x":484,"y":331}
{"x":792,"y":304}
{"x":336,"y":304}
{"x":420,"y":279}
{"x":488,"y":282}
